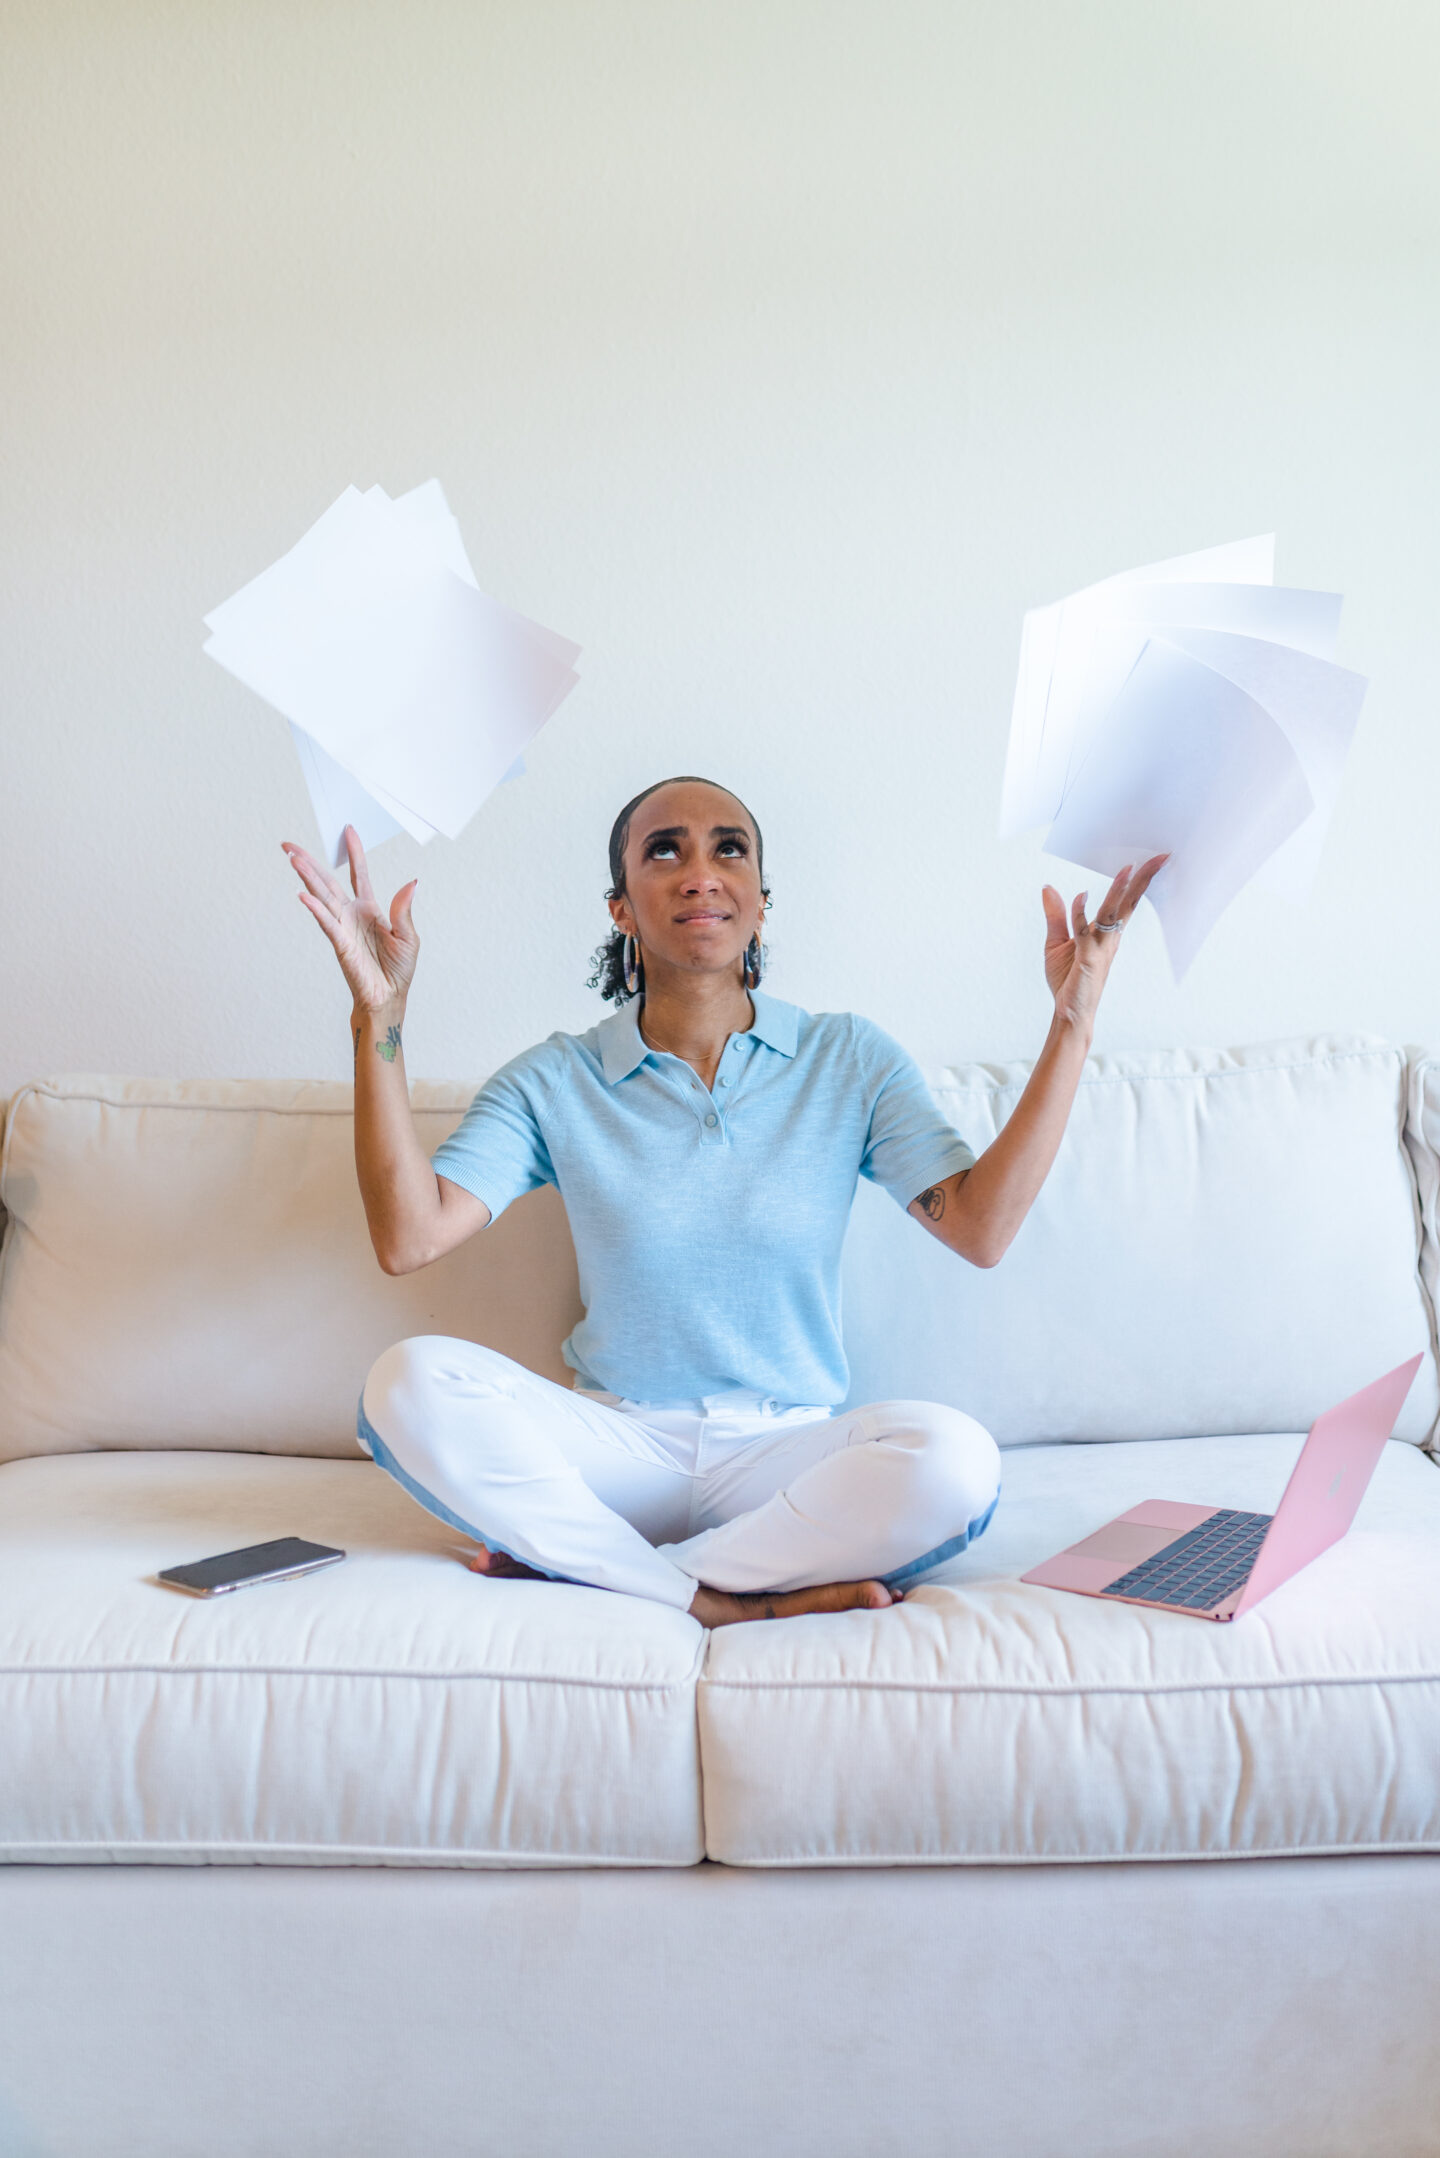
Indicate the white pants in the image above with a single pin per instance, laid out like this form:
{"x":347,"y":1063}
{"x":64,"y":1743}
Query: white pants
{"x":732,"y":1491}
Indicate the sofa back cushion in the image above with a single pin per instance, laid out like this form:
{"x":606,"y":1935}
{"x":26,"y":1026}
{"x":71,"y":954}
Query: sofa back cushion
{"x":187,"y":1265}
{"x":1228,"y":1242}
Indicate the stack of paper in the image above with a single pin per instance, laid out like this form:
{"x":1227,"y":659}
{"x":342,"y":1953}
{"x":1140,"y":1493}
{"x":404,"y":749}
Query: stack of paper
{"x":1192,"y":709}
{"x":410,"y":694}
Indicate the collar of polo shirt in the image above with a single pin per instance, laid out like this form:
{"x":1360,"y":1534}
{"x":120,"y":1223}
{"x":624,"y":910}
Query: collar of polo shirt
{"x":623,"y":1048}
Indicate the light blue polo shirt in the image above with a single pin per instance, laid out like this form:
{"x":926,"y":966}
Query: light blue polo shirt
{"x":708,"y":1224}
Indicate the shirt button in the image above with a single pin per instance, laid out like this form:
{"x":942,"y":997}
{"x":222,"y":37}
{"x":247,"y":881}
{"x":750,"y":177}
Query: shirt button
{"x":712,"y":1118}
{"x":724,"y":1082}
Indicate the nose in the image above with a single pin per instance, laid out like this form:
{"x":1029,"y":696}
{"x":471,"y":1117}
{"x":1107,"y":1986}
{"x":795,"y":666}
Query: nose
{"x":702,"y":878}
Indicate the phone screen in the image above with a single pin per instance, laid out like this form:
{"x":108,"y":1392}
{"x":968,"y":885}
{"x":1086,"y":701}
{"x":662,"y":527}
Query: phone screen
{"x":257,"y":1562}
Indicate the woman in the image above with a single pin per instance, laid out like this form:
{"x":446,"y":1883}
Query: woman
{"x":706,"y":1139}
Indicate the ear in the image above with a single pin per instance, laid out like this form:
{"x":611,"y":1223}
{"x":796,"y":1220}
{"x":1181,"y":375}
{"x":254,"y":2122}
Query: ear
{"x":621,"y":916}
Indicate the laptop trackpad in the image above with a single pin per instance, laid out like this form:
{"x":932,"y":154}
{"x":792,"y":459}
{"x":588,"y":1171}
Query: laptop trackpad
{"x":1123,"y":1543}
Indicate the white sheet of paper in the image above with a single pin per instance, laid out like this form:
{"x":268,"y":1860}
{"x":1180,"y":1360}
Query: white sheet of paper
{"x":1097,"y":641}
{"x":1316,"y":705}
{"x":430,"y":696}
{"x":1185,"y":763}
{"x":1027,"y":800}
{"x":428,"y":506}
{"x":372,"y":637}
{"x":338,"y":799}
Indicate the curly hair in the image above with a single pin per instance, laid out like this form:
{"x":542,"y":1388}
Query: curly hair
{"x":608,"y":958}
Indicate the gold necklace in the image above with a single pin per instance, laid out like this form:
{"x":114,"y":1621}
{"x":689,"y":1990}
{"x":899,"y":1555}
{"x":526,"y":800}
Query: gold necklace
{"x":662,"y":1048}
{"x":650,"y":1043}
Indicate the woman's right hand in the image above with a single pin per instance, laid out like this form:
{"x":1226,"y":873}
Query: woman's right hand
{"x":377,"y":956}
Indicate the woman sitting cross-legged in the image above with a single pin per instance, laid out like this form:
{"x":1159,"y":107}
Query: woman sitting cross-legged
{"x":706,"y":1139}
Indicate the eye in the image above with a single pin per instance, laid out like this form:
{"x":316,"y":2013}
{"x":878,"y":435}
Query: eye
{"x":657,"y":847}
{"x":738,"y":846}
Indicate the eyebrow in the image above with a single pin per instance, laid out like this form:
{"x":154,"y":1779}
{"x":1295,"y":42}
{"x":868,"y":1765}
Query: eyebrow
{"x":682,"y":831}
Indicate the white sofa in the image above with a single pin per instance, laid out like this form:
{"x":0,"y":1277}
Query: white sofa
{"x":393,"y":1859}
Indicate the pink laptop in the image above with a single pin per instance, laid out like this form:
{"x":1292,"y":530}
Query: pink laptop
{"x":1216,"y":1563}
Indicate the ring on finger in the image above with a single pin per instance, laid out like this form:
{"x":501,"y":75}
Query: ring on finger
{"x":1107,"y":925}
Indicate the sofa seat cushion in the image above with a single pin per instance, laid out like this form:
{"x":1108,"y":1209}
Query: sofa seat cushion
{"x":989,"y":1721}
{"x":393,"y":1710}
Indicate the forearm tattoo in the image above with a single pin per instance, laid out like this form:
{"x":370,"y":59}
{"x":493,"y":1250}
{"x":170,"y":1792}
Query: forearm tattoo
{"x":391,"y":1043}
{"x":933,"y":1201}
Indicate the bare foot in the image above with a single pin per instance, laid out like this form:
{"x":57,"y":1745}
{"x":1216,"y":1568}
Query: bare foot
{"x":499,"y":1566}
{"x":714,"y":1607}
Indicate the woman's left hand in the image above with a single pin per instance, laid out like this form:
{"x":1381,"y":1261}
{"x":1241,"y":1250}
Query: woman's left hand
{"x":1079,"y":954}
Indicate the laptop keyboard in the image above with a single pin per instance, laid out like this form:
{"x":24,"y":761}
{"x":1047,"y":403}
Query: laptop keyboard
{"x":1200,"y":1567}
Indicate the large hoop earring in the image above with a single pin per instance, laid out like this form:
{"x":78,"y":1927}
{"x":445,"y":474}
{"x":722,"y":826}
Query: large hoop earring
{"x":754,"y":963}
{"x":630,"y":966}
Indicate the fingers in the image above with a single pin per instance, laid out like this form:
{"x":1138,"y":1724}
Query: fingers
{"x":1130,"y":887}
{"x":401,"y":923}
{"x":326,"y":889}
{"x":1057,"y":928}
{"x":359,"y":867}
{"x":1078,"y":923}
{"x":328,"y":922}
{"x":1141,"y":881}
{"x":300,"y":861}
{"x":1112,"y":907}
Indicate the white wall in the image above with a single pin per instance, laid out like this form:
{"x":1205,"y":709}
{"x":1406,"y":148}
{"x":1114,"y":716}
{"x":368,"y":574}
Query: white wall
{"x":780,"y":351}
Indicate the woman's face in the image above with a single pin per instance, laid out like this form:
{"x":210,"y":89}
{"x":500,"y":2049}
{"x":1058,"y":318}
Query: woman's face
{"x":692,"y":882}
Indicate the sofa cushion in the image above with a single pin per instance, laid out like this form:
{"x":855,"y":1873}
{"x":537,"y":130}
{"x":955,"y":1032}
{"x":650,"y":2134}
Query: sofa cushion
{"x":188,"y":1265}
{"x":1228,"y":1242}
{"x":393,"y":1710}
{"x":990,"y":1721}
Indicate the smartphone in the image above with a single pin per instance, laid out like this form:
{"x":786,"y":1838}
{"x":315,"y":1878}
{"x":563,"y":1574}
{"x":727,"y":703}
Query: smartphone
{"x":281,"y":1560}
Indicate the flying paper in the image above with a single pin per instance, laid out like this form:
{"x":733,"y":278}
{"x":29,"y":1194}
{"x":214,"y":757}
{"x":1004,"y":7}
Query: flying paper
{"x":1192,"y":708}
{"x":410,"y":693}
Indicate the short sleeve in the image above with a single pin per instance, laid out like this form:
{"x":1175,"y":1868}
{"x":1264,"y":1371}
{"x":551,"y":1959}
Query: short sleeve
{"x":498,"y":1151}
{"x":910,"y":1145}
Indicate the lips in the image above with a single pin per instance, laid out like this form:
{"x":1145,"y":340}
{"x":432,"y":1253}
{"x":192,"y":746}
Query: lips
{"x":705,"y":917}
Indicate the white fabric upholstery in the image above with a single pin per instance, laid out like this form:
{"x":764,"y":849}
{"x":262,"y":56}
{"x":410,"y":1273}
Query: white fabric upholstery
{"x":188,"y":1265}
{"x":395,"y":1708}
{"x":1282,"y":2009}
{"x":1227,"y":1243}
{"x":988,"y":1720}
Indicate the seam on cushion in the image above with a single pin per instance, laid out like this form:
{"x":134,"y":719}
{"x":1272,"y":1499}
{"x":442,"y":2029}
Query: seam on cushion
{"x":1231,"y":1853}
{"x":347,"y":1853}
{"x":962,"y":1691}
{"x":1337,"y":1056}
{"x":1239,"y":1071}
{"x":49,"y":1092}
{"x":307,"y":1671}
{"x":539,"y":1861}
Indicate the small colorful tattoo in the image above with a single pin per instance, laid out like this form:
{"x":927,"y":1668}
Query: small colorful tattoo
{"x":391,"y":1043}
